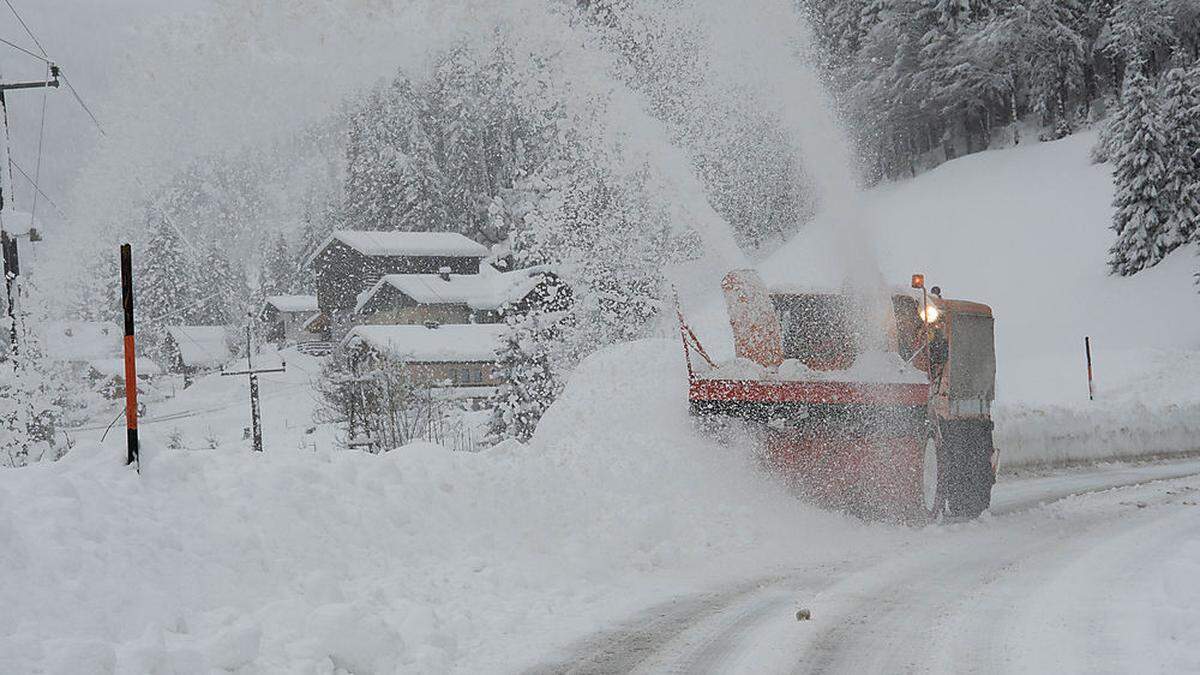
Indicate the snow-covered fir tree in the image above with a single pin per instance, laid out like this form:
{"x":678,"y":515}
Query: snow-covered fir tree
{"x":163,"y":280}
{"x":34,"y":390}
{"x":280,"y":269}
{"x":98,"y":294}
{"x":378,"y":157}
{"x":219,"y":289}
{"x":529,"y":384}
{"x":432,"y":154}
{"x":1140,"y":33}
{"x":28,"y":409}
{"x":1142,"y":207}
{"x":1181,"y":121}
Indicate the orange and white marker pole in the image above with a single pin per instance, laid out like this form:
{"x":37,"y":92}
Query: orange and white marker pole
{"x":131,"y":412}
{"x":1087,"y":348}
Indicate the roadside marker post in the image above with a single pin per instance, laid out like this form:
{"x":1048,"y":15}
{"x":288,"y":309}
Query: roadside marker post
{"x":1087,"y":349}
{"x":131,"y":411}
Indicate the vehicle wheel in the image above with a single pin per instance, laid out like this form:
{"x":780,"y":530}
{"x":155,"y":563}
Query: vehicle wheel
{"x":965,"y":476}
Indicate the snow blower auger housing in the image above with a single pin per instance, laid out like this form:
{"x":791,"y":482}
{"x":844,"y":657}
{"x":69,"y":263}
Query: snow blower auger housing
{"x":896,"y":427}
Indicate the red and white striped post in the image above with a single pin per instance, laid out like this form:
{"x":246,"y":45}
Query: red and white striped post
{"x":1087,"y":349}
{"x":131,"y":412}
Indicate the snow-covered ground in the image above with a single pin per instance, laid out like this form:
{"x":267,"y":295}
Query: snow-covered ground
{"x":1101,"y":582}
{"x":418,"y":560}
{"x":308,"y":559}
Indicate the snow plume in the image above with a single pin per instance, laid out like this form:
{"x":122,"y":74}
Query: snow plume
{"x":713,"y":71}
{"x":765,"y":50}
{"x":764,"y":47}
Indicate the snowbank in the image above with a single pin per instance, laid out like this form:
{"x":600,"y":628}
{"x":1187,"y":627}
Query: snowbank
{"x":418,"y":560}
{"x":1147,"y":403}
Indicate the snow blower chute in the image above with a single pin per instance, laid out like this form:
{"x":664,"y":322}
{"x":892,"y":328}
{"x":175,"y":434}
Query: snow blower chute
{"x":881,"y":409}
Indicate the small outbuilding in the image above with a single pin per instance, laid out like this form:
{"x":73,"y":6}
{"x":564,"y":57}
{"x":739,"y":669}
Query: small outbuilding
{"x":284,"y":317}
{"x":195,"y":349}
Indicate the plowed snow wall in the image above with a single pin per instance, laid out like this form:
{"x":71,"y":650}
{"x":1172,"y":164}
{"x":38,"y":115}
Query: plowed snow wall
{"x":1029,"y":435}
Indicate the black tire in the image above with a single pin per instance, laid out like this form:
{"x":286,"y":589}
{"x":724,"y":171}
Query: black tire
{"x":964,"y":459}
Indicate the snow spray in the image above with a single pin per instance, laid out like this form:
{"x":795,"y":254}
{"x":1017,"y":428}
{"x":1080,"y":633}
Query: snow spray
{"x":767,"y":47}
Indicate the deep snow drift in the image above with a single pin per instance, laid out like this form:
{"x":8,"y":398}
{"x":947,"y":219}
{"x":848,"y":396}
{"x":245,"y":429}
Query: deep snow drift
{"x":305,"y":561}
{"x":1026,"y":230}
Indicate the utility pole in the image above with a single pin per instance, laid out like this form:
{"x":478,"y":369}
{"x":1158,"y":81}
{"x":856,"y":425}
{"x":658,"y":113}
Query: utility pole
{"x":12,"y":268}
{"x":255,"y":415}
{"x":12,"y":265}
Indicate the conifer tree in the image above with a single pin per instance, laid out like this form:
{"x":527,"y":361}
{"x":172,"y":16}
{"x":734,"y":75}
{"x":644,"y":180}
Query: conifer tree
{"x":1181,"y":119}
{"x":33,"y":390}
{"x":529,"y":384}
{"x":163,"y":281}
{"x":279,"y":269}
{"x":376,"y":158}
{"x":1142,"y":210}
{"x":423,"y":185}
{"x":1139,"y":32}
{"x":98,"y":296}
{"x":219,"y":288}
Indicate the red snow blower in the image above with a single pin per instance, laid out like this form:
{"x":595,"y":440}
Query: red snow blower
{"x":880,"y":408}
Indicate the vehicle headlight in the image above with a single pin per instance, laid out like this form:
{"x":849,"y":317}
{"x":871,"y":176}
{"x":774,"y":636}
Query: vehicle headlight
{"x":930,"y":314}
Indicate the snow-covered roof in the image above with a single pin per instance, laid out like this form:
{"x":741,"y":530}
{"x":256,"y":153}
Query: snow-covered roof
{"x":201,"y":346}
{"x":115,"y":367}
{"x":487,"y":290}
{"x":293,"y":303}
{"x":419,"y":344}
{"x":450,"y":244}
{"x":82,"y":340}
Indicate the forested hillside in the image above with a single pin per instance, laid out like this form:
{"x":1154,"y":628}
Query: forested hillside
{"x":933,"y":79}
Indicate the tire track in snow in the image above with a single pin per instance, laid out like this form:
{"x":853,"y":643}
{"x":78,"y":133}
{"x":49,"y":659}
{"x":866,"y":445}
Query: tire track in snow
{"x":720,"y":631}
{"x":937,"y":610}
{"x":625,"y":647}
{"x":1078,"y":609}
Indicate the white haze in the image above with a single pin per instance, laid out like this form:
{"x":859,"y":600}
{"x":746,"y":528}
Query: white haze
{"x":225,"y":78}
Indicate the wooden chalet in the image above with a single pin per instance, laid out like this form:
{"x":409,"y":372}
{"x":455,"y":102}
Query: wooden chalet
{"x":399,"y":299}
{"x":460,"y":358}
{"x":350,"y":262}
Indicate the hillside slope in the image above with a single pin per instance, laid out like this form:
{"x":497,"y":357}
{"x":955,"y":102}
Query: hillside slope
{"x":1026,"y":230}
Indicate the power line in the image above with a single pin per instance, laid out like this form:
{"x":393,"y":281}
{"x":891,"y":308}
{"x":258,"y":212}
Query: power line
{"x":81,"y":103}
{"x":26,"y":27}
{"x":24,"y":50}
{"x":37,"y":188}
{"x":37,"y":170}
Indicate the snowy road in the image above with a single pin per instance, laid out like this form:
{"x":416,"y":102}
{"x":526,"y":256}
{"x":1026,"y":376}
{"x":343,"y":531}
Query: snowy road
{"x":1075,"y":571}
